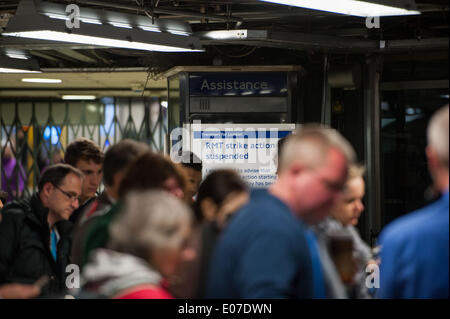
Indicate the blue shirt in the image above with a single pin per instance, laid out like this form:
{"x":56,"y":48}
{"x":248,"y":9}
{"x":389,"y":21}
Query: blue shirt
{"x":263,"y":253}
{"x":415,"y":254}
{"x":318,"y":275}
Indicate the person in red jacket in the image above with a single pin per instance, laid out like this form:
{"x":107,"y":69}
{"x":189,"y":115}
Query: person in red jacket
{"x":147,"y":242}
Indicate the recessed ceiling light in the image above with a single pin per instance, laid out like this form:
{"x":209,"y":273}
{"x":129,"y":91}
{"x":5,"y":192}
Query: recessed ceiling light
{"x":39,"y":80}
{"x":78,"y":97}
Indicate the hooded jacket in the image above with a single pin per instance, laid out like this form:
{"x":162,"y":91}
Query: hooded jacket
{"x":25,"y":254}
{"x":117,"y":275}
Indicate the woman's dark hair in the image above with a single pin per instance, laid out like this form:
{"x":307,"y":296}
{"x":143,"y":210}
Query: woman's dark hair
{"x":149,"y":171}
{"x":217,"y":186}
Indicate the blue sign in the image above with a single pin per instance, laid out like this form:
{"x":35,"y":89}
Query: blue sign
{"x":238,"y":84}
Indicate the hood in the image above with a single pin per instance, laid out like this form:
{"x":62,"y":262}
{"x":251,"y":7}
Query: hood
{"x":110,"y":272}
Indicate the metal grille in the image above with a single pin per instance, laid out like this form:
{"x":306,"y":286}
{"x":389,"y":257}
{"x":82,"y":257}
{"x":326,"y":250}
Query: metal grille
{"x":35,"y":133}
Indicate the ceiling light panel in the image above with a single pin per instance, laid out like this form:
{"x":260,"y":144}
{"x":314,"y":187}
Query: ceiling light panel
{"x":356,"y":8}
{"x":33,"y":20}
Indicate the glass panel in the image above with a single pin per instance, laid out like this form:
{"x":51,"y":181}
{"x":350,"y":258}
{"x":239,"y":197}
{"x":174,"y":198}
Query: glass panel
{"x":404,"y":119}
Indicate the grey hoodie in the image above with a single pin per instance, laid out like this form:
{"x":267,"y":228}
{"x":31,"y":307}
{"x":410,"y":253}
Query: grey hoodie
{"x":110,"y":272}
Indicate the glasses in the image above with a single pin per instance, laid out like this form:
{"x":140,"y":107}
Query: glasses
{"x":337,"y":187}
{"x":70,"y":196}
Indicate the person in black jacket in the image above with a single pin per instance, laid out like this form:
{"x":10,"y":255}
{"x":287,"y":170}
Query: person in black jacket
{"x":35,"y":233}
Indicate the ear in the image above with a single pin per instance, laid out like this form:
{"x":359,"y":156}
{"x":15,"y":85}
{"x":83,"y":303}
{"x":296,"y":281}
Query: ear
{"x":209,"y":209}
{"x":48,"y":188}
{"x":432,"y":159}
{"x":118,"y":178}
{"x":47,"y":191}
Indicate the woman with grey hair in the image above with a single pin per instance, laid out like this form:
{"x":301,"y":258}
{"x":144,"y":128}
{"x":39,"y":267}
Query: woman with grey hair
{"x":147,"y":242}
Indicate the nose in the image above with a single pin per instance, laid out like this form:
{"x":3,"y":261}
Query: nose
{"x":178,"y":192}
{"x":75,"y":203}
{"x":360,"y":206}
{"x":96,"y":179}
{"x":189,"y":254}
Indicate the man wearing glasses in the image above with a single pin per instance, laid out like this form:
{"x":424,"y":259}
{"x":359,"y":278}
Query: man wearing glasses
{"x":267,"y":251}
{"x":34,"y":232}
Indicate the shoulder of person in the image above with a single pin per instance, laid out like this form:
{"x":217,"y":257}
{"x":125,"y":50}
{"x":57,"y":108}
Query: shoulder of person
{"x":144,"y":292}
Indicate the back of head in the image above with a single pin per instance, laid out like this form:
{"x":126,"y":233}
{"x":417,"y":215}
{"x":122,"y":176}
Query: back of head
{"x":311,"y":144}
{"x":438,"y":134}
{"x":55,"y":174}
{"x":119,"y":156}
{"x":83,"y":149}
{"x":217,"y":186}
{"x":151,"y":220}
{"x":149,"y":171}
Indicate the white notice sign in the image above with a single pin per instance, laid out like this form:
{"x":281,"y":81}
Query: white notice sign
{"x":250,"y":149}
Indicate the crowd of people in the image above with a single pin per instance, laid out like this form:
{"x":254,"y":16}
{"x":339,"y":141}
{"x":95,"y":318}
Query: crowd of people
{"x":158,"y":231}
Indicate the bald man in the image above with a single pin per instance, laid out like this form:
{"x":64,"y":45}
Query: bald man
{"x":415,"y":247}
{"x":267,"y":251}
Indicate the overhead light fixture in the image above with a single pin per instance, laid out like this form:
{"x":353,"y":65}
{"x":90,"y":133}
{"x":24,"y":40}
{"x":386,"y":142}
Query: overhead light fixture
{"x":121,"y":25}
{"x":41,"y":20}
{"x":373,"y":8}
{"x":78,"y":97}
{"x":224,"y":34}
{"x":152,"y":29}
{"x":93,"y":21}
{"x":41,"y":80}
{"x":17,"y":56}
{"x":14,"y":65}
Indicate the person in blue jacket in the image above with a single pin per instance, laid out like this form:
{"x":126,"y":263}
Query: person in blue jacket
{"x":415,"y":247}
{"x":266,"y":251}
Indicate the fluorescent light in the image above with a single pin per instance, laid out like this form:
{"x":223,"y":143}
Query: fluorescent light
{"x":8,"y":70}
{"x":225,"y":34}
{"x":117,"y":30}
{"x":91,"y":21}
{"x":183,"y":33}
{"x":152,"y":29}
{"x":57,"y":16}
{"x":121,"y":25}
{"x":348,"y":7}
{"x":17,"y":56}
{"x":10,"y":64}
{"x":79,"y":97}
{"x":84,"y":39}
{"x":39,"y":80}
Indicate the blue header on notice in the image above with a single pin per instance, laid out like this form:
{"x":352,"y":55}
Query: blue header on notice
{"x":240,"y":134}
{"x":238,"y":84}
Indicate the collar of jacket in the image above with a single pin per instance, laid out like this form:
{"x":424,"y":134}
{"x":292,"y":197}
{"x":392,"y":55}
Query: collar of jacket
{"x":39,"y":216}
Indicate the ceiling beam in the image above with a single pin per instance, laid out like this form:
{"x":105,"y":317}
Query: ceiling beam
{"x":77,"y":55}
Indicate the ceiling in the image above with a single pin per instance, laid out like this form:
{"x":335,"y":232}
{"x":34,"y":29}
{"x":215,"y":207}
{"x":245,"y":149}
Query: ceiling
{"x":298,"y":33}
